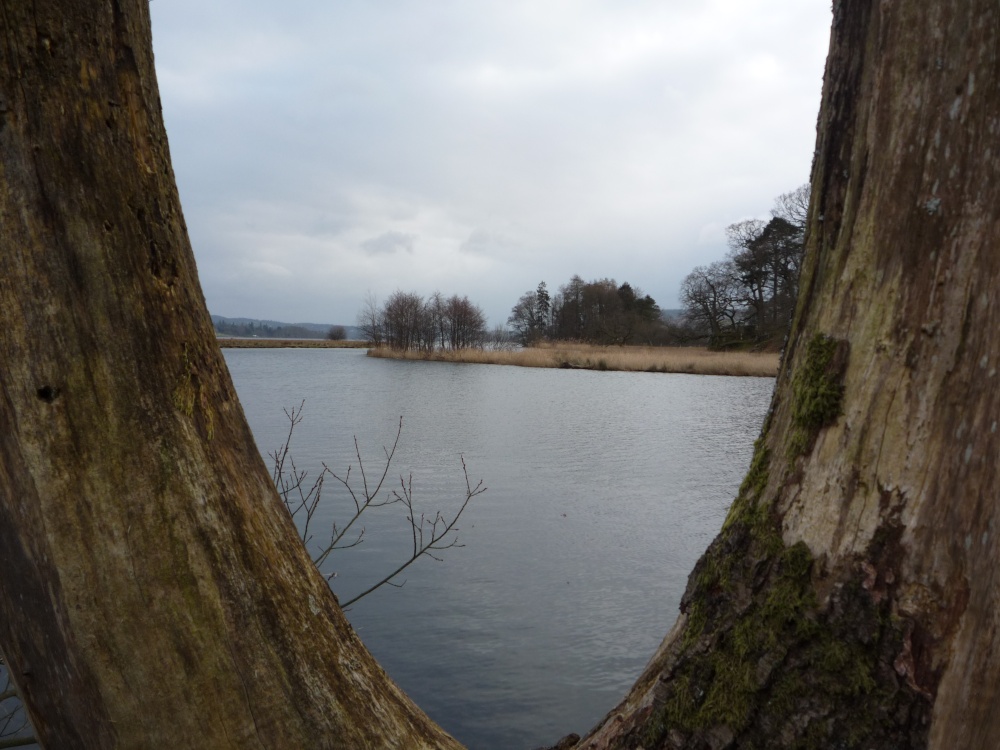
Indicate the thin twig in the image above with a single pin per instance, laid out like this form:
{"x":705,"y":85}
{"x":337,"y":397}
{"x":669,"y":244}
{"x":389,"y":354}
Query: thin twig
{"x":428,"y":535}
{"x":438,"y":530}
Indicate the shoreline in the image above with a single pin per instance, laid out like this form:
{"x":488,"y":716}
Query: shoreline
{"x":660,"y":359}
{"x":239,"y":343}
{"x":683,"y":360}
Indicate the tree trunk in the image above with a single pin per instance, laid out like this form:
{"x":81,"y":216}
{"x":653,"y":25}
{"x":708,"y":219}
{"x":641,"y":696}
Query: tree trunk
{"x":851,"y":597}
{"x":154,"y":592}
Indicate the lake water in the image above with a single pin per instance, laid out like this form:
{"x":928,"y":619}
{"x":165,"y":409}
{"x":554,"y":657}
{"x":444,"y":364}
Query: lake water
{"x":604,"y":488}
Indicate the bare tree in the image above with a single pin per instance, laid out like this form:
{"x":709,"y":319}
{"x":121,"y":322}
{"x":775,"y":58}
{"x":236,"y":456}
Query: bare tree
{"x":524,"y":318}
{"x":750,"y":265}
{"x":406,"y":322}
{"x":410,"y":322}
{"x":793,"y":207}
{"x":711,"y":299}
{"x":466,"y":323}
{"x":764,"y":261}
{"x":436,"y":309}
{"x":371,"y":320}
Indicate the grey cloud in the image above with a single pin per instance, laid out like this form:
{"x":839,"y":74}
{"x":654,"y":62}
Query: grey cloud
{"x":389,"y":243}
{"x":483,"y":242}
{"x":516,"y":140}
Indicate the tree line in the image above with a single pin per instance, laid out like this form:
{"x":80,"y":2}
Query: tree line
{"x":750,"y":295}
{"x":747,"y":298}
{"x":599,"y":311}
{"x":264,"y":329}
{"x":407,"y":321}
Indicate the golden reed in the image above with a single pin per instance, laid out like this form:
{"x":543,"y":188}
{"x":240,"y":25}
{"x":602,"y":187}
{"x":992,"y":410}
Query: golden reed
{"x":693,"y":360}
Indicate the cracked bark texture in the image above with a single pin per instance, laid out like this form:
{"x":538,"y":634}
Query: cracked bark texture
{"x":877,"y":525}
{"x":153,"y":592}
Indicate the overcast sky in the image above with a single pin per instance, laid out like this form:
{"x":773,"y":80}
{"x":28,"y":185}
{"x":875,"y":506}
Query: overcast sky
{"x":477,"y":147}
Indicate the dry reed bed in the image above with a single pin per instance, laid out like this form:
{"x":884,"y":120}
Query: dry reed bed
{"x":698,"y":361}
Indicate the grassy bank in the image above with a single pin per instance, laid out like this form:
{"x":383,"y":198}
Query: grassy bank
{"x":235,"y":343}
{"x":629,"y":358}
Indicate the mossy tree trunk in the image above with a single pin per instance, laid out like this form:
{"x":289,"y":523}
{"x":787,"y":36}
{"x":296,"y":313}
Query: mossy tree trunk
{"x":153,"y":592}
{"x":851,"y":599}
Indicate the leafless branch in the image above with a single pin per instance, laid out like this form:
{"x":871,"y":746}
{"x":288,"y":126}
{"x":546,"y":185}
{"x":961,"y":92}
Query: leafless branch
{"x":429,"y":535}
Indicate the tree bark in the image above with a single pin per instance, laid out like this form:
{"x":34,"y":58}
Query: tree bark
{"x":153,"y":591}
{"x":851,"y":598}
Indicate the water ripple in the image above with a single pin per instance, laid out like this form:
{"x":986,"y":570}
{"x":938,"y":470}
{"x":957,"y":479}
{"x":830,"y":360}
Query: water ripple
{"x":604,"y":488}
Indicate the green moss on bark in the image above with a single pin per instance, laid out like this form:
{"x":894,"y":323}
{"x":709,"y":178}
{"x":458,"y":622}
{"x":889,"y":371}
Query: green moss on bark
{"x":817,"y":391}
{"x":764,"y":664}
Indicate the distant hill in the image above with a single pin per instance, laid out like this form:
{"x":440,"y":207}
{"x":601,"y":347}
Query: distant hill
{"x":672,"y":315}
{"x":275,"y":329}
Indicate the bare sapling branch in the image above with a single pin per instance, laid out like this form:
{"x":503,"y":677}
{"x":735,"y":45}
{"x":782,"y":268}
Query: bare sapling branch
{"x":368,"y":500}
{"x":430,"y":535}
{"x":290,"y":482}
